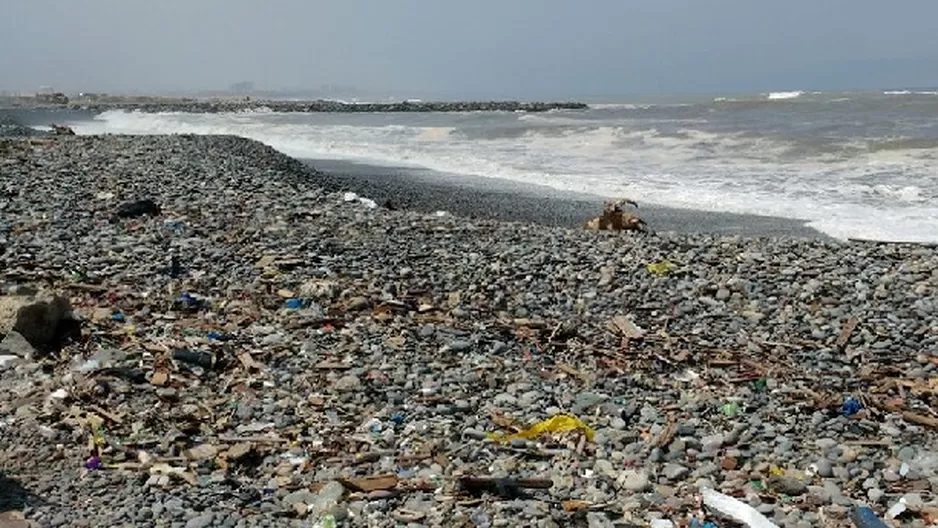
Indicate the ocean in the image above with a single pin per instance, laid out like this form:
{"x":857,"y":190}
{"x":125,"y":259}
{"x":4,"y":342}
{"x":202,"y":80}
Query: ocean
{"x":853,"y":165}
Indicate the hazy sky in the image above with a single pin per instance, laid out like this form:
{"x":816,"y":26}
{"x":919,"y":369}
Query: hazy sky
{"x":482,"y":48}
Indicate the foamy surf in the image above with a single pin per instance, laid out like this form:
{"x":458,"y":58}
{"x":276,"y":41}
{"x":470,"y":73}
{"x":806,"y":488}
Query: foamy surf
{"x":671,"y":162}
{"x":780,"y":96}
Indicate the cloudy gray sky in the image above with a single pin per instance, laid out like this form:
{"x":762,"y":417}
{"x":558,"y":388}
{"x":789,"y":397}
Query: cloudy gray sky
{"x":482,"y":48}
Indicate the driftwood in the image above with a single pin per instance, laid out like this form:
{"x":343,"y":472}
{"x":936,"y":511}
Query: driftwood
{"x":615,"y":219}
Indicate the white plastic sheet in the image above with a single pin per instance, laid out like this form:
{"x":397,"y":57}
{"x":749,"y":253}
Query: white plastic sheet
{"x":736,"y":509}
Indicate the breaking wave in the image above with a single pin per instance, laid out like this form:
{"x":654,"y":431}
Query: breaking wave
{"x":834,"y":184}
{"x":778,"y":96}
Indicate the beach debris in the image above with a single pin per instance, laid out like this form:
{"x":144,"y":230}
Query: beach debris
{"x":626,"y":327}
{"x":508,"y":488}
{"x":863,"y":517}
{"x":849,"y":326}
{"x":662,"y":267}
{"x":61,"y":130}
{"x":851,"y":406}
{"x":558,"y":424}
{"x":353,"y":197}
{"x":368,"y":484}
{"x":138,"y":208}
{"x":615,"y":219}
{"x":735,"y":509}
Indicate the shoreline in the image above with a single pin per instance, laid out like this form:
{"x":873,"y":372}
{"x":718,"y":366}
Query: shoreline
{"x":504,"y":200}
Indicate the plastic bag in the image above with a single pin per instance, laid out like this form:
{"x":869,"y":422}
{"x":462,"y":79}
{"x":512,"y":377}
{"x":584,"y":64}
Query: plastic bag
{"x":558,"y":424}
{"x":661,"y":268}
{"x":736,"y":509}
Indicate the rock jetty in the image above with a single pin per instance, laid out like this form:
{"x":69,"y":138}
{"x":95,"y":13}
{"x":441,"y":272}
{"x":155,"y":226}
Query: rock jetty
{"x":163,"y":104}
{"x":257,"y":350}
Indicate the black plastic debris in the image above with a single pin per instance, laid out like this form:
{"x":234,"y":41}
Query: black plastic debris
{"x":138,"y":209}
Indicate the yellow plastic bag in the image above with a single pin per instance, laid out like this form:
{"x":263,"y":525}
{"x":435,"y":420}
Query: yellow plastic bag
{"x":661,"y":268}
{"x":558,"y":424}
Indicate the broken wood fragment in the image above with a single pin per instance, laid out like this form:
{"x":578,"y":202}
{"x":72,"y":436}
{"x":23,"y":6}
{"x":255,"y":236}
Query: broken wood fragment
{"x":625,"y":327}
{"x":368,"y":484}
{"x":849,"y":326}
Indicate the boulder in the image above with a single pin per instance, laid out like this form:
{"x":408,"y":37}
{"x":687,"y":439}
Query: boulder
{"x":137,"y":209}
{"x":41,"y":319}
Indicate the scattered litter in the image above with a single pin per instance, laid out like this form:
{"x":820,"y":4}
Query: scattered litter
{"x":863,"y":517}
{"x":730,"y":409}
{"x":662,"y":267}
{"x":687,"y":376}
{"x":558,"y":424}
{"x":294,"y":304}
{"x":366,"y":484}
{"x":196,"y":357}
{"x":352,"y":197}
{"x":502,"y":487}
{"x":852,"y":406}
{"x":138,"y":209}
{"x":93,"y":463}
{"x":735,"y":509}
{"x":626,"y":327}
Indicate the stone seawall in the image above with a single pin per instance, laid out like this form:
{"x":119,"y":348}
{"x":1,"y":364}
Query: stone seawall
{"x":237,"y":105}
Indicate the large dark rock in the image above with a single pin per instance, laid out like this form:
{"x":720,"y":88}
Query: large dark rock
{"x":42,"y":320}
{"x":138,"y":208}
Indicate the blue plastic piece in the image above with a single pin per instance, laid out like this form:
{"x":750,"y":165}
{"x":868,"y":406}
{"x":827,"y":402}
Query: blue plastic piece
{"x":863,"y":517}
{"x":852,"y":406}
{"x":294,"y":304}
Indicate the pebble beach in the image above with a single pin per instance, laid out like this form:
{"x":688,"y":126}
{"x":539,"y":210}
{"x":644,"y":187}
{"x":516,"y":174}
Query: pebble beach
{"x":268,"y":350}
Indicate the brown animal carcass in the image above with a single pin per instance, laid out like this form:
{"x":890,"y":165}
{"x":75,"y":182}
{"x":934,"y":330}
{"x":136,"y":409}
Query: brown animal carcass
{"x":615,"y":219}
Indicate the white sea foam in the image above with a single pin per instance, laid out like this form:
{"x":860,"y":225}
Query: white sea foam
{"x":776,"y":96}
{"x":687,"y":167}
{"x":910,"y":92}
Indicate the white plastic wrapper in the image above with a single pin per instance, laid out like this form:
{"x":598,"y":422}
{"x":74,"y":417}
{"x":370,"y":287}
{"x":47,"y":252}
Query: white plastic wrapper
{"x":736,"y":509}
